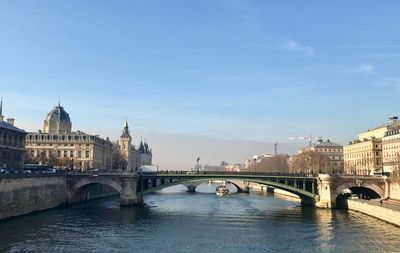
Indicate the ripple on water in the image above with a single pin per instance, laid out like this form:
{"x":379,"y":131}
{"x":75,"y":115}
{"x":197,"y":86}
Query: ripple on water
{"x":180,"y":222}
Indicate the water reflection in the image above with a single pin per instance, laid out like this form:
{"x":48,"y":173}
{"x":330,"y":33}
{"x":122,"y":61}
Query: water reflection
{"x":175,"y":221}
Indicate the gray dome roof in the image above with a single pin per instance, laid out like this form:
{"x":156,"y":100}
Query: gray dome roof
{"x":58,"y":114}
{"x":328,"y":143}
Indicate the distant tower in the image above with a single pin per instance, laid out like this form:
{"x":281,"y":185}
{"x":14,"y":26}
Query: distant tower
{"x":1,"y":110}
{"x":125,"y":142}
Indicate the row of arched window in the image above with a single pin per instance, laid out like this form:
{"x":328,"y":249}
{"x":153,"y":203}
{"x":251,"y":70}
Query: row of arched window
{"x":12,"y":139}
{"x":63,"y":138}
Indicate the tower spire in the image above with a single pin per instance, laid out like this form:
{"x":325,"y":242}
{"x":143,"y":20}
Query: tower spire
{"x":1,"y":109}
{"x":126,"y":122}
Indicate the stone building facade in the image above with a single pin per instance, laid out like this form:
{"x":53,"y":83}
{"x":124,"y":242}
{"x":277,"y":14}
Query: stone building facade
{"x":12,"y":144}
{"x":374,"y":151}
{"x":72,"y":149}
{"x":134,"y":158}
{"x":391,"y":147}
{"x":333,"y":151}
{"x":363,"y":157}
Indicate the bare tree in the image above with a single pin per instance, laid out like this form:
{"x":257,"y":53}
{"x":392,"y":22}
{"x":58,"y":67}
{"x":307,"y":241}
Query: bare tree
{"x":53,"y":160}
{"x":312,"y":162}
{"x":119,"y":162}
{"x":30,"y":159}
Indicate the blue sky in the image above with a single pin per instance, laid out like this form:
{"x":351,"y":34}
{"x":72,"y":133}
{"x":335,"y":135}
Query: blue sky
{"x":183,"y":72}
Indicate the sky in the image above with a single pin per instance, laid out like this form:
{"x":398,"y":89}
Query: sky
{"x":218,"y":79}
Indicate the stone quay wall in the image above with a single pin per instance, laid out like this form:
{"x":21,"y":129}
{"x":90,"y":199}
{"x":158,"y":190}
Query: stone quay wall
{"x":25,"y":193}
{"x":386,"y":214}
{"x":394,"y":190}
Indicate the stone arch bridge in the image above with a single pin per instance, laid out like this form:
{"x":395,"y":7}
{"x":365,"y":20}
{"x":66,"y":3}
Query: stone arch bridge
{"x":320,"y":191}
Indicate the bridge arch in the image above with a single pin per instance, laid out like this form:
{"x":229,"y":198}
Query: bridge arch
{"x":377,"y":189}
{"x":307,"y":197}
{"x":192,"y":185}
{"x":81,"y":190}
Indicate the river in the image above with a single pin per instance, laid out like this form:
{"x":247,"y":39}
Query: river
{"x":176,"y":221}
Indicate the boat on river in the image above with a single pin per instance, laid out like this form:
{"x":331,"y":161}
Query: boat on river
{"x":222,"y":190}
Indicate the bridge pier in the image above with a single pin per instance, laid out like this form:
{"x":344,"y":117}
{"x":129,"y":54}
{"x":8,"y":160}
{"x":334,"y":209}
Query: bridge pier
{"x":130,"y":200}
{"x":326,"y":198}
{"x":191,"y":187}
{"x":128,"y":193}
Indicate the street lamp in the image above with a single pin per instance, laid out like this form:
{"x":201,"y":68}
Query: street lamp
{"x":255,"y":165}
{"x":198,"y":160}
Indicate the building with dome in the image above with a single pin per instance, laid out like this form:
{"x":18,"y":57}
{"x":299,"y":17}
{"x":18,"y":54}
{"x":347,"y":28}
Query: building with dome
{"x":57,"y":121}
{"x":133,"y":157}
{"x":58,"y":144}
{"x":331,"y":150}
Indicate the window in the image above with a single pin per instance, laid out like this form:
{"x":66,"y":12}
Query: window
{"x":58,"y":153}
{"x":65,"y":153}
{"x":71,"y":153}
{"x":79,"y":154}
{"x":87,"y":154}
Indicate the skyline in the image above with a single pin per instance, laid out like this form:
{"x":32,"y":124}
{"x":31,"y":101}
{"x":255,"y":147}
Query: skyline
{"x":218,"y":73}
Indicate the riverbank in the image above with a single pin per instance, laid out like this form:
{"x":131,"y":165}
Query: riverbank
{"x":374,"y":209}
{"x":22,"y":194}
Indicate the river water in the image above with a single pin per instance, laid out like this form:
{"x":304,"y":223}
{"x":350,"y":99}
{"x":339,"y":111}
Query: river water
{"x":176,"y":221}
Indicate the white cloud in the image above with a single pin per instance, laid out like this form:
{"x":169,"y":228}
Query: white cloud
{"x":291,"y":45}
{"x":366,"y":69}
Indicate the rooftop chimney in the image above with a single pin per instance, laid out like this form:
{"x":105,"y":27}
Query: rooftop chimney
{"x":10,"y":121}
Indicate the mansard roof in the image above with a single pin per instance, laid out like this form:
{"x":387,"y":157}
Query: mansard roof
{"x":58,"y":114}
{"x":7,"y":126}
{"x":328,"y":143}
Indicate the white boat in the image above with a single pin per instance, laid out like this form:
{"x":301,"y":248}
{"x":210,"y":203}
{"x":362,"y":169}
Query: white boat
{"x":222,"y":190}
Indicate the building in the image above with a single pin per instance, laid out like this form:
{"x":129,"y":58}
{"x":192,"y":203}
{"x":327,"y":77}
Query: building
{"x":133,"y":158}
{"x":373,"y":148}
{"x":12,"y":143}
{"x":363,"y":157}
{"x":58,"y":145}
{"x":235,"y":167}
{"x":391,"y":147}
{"x":331,"y":150}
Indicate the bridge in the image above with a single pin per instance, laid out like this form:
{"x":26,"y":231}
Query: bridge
{"x":322,"y":190}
